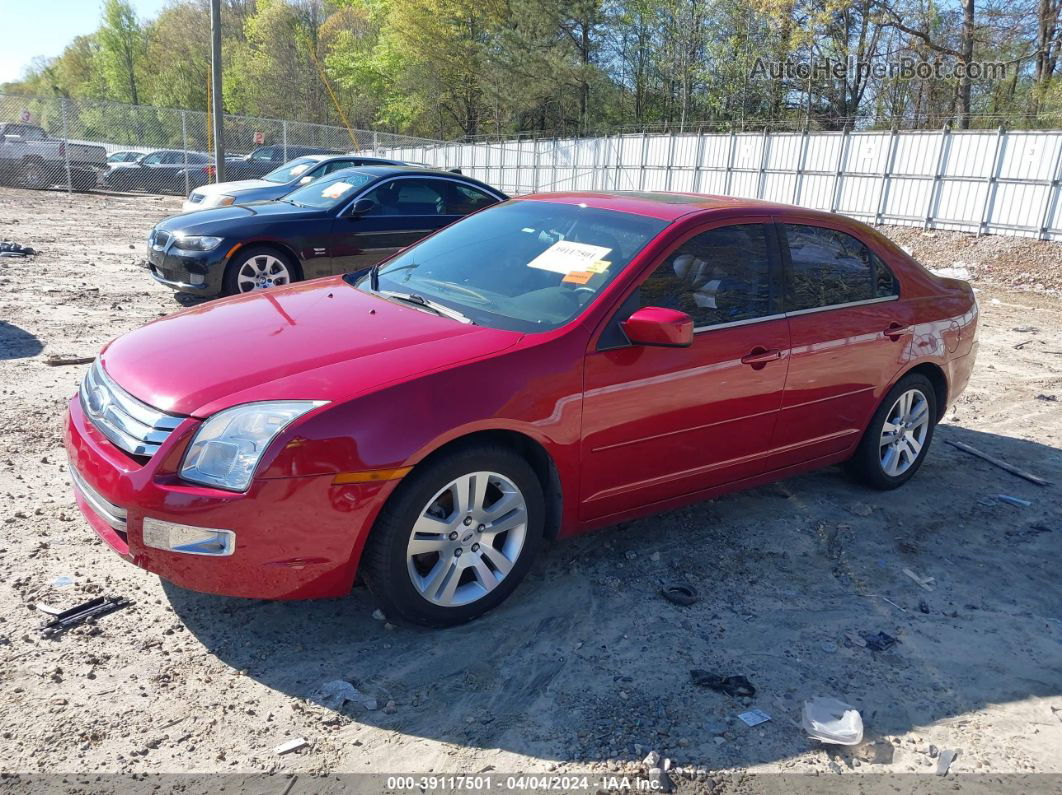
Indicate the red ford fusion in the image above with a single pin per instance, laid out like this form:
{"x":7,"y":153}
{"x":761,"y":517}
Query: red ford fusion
{"x":546,"y":366}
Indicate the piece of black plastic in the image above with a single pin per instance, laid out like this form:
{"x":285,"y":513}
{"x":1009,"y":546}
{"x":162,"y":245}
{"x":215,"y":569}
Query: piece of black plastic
{"x":93,"y":608}
{"x":737,"y":686}
{"x":879,"y":641}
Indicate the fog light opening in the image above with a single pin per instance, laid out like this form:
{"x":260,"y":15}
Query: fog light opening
{"x":187,"y":539}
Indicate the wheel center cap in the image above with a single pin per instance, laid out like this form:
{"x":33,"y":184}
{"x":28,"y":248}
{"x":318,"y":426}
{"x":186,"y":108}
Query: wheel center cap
{"x":467,"y":538}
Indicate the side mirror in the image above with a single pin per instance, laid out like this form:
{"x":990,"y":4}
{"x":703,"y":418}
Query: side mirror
{"x":361,"y":207}
{"x":654,"y":325}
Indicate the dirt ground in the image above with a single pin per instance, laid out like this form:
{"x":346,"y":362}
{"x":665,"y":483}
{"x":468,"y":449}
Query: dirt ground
{"x":586,"y":668}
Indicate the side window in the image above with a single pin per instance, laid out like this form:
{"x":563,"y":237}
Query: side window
{"x":34,"y":134}
{"x":335,"y":165}
{"x":464,"y":199}
{"x":719,"y":276}
{"x":830,"y":267}
{"x":265,"y":153}
{"x":175,"y":158}
{"x":153,"y":159}
{"x":407,"y":197}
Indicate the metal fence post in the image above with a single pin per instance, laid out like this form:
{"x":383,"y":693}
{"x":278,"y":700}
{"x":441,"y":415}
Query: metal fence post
{"x":886,"y":176}
{"x":556,"y":148}
{"x":284,"y":138}
{"x":993,"y":176}
{"x":938,"y":177}
{"x":698,"y":173}
{"x":1052,"y":196}
{"x":536,"y":162}
{"x":597,"y":164}
{"x":802,"y":159}
{"x":66,"y":146}
{"x":670,"y":160}
{"x":761,"y":182}
{"x":838,"y":180}
{"x":184,"y":148}
{"x":645,"y":159}
{"x":618,"y":171}
{"x":730,"y":164}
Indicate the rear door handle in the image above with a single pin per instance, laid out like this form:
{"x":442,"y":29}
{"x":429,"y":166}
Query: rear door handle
{"x":896,"y":330}
{"x":761,"y":356}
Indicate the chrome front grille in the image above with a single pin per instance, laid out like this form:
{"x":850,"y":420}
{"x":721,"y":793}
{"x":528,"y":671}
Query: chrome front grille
{"x":130,"y":424}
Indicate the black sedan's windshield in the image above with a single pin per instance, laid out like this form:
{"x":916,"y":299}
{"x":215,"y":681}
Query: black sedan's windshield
{"x":524,"y":266}
{"x":325,"y":194}
{"x":290,"y":170}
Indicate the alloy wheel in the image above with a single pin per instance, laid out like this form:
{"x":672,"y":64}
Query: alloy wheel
{"x":903,"y":434}
{"x":467,"y":539}
{"x":261,"y":272}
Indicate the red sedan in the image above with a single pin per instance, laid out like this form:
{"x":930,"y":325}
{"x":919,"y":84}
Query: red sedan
{"x":541,"y":368}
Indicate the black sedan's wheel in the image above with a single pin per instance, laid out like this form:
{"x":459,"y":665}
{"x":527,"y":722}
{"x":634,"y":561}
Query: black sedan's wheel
{"x":898,"y":437}
{"x":259,"y":268}
{"x":456,"y":538}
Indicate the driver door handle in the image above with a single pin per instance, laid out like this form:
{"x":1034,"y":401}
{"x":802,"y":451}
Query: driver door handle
{"x":896,"y":330}
{"x":760,"y":355}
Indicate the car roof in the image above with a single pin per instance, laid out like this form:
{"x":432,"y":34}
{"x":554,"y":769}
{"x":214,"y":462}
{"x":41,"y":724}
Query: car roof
{"x":395,"y":171}
{"x":667,"y":206}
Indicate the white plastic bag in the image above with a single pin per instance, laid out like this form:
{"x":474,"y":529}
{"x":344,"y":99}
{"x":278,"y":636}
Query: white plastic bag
{"x":831,"y":721}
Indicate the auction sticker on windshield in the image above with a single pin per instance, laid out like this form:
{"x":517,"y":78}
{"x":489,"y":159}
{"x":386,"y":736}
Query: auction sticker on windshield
{"x":566,"y":256}
{"x":335,"y":190}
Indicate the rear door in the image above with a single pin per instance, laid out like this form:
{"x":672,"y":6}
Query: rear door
{"x":661,"y":422}
{"x":850,"y":335}
{"x":406,"y":209}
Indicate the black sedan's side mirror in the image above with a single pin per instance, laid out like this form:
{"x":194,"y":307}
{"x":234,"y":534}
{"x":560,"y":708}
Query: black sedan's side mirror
{"x":362,"y":207}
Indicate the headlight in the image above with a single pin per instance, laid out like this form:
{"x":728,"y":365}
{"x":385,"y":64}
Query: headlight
{"x":227,"y":448}
{"x":195,"y":242}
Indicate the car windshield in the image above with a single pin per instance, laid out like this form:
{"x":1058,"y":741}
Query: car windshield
{"x":325,"y":194}
{"x":290,"y":170}
{"x":523,"y":266}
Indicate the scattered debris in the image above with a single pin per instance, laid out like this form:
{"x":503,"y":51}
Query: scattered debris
{"x":860,"y":509}
{"x":62,"y":581}
{"x":830,"y":720}
{"x":62,"y":361}
{"x":1048,"y":398}
{"x":291,"y":745}
{"x":924,"y":606}
{"x":680,"y":593}
{"x":92,"y":609}
{"x":49,"y":610}
{"x":1021,"y":345}
{"x":336,"y":693}
{"x":945,"y":760}
{"x":9,"y":248}
{"x":829,"y":647}
{"x":880,"y":641}
{"x":652,"y":759}
{"x":1039,"y":481}
{"x":925,"y":583}
{"x":1017,"y":502}
{"x":737,"y":686}
{"x":855,"y":640}
{"x":754,"y":717}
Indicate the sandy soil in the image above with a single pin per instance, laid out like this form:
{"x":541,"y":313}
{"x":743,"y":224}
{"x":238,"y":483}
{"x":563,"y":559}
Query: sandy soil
{"x":587,"y":667}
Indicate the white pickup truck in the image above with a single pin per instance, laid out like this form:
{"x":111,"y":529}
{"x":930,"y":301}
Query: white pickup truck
{"x":31,"y":158}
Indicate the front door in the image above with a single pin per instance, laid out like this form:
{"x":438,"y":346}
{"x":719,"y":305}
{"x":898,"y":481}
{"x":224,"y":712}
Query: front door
{"x":663,"y":422}
{"x":406,"y":209}
{"x":850,"y":336}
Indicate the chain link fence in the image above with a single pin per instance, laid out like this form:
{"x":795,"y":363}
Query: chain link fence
{"x":77,"y":145}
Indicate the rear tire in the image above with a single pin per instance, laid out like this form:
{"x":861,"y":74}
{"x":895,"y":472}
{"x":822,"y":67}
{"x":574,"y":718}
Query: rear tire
{"x":34,"y":174}
{"x":899,"y":434}
{"x":466,"y":566}
{"x":259,"y":268}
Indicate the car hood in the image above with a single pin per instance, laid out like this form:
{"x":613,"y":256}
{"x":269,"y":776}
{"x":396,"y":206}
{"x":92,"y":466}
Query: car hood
{"x":237,"y":185}
{"x":218,"y":219}
{"x":318,"y":340}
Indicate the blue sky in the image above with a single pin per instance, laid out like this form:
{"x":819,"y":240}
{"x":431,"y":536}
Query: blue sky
{"x":45,"y":27}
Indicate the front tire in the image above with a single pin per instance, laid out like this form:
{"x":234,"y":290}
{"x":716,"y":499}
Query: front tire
{"x":456,"y":537}
{"x":897,"y":440}
{"x":258,"y":268}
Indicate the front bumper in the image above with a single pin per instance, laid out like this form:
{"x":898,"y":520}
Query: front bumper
{"x":296,"y":538}
{"x":199,"y":273}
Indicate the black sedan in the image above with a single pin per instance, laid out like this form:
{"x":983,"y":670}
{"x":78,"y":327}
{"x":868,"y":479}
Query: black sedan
{"x":161,"y":171}
{"x":347,"y":221}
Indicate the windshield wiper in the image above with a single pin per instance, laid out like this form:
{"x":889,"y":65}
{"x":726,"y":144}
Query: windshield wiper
{"x":432,"y":306}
